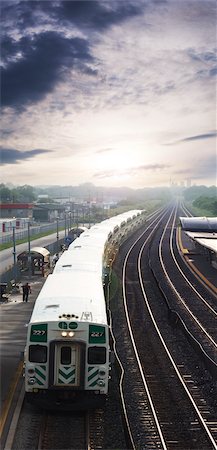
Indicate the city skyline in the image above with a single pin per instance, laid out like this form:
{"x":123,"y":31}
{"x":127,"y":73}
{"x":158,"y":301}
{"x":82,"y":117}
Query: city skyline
{"x":112,"y":93}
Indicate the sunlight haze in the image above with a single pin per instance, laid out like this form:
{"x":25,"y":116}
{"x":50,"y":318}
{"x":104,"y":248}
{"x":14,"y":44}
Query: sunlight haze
{"x":119,"y":93}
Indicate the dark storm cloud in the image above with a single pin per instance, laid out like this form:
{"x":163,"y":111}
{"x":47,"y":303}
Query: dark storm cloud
{"x":197,"y":137}
{"x":13,"y":156}
{"x":33,"y":62}
{"x":42,"y":61}
{"x":95,"y":14}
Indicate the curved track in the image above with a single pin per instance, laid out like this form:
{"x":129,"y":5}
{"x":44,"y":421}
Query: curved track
{"x":163,"y":383}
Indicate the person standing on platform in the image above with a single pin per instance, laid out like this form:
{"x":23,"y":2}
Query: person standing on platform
{"x":26,"y":291}
{"x":55,"y":259}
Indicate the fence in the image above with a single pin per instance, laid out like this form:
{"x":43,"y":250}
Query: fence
{"x":34,"y":230}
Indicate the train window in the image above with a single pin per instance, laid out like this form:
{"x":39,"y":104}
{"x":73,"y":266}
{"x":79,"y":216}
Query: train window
{"x":66,"y":355}
{"x":96,"y":355}
{"x":38,"y":353}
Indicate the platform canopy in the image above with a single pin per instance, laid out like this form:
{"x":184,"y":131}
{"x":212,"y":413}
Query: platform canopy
{"x":204,"y":224}
{"x":42,"y":250}
{"x":35,"y":251}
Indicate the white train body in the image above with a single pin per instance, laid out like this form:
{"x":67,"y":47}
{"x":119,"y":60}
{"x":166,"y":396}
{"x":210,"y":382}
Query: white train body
{"x":67,"y":356}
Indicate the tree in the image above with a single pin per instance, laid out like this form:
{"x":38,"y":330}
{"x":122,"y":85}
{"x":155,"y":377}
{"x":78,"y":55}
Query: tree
{"x":5,"y":194}
{"x":206,"y":203}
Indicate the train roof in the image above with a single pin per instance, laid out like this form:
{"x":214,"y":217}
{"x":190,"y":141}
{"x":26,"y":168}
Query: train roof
{"x":75,"y":287}
{"x":80,"y":258}
{"x":90,"y":239}
{"x":79,"y":294}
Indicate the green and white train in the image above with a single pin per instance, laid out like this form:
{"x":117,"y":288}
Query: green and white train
{"x":67,"y":355}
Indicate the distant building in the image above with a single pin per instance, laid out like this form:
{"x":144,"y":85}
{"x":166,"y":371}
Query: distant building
{"x":7,"y":225}
{"x":48,"y":212}
{"x":18,"y":210}
{"x":43,"y":197}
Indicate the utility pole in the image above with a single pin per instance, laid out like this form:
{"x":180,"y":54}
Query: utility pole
{"x":14,"y":254}
{"x":57,"y":234}
{"x":65,"y":223}
{"x":29,"y":250}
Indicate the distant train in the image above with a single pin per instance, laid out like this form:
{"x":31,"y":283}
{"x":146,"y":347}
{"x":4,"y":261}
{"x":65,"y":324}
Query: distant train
{"x":67,"y":355}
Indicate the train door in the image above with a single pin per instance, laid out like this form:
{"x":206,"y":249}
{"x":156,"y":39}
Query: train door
{"x":65,"y":364}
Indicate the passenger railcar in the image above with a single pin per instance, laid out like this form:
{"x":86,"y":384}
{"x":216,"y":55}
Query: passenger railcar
{"x":67,"y":354}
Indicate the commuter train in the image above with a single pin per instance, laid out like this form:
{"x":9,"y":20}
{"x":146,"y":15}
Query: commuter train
{"x":67,"y":356}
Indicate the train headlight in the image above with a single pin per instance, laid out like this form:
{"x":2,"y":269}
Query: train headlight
{"x":65,"y":333}
{"x":102,"y":372}
{"x":31,"y":381}
{"x":31,"y":372}
{"x":101,"y":383}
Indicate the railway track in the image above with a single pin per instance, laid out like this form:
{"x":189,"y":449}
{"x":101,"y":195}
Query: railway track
{"x":174,"y":403}
{"x":198,"y":313}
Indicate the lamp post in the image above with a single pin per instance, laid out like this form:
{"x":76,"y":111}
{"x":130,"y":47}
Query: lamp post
{"x":14,"y":254}
{"x":29,"y":250}
{"x":70,"y":221}
{"x":65,"y":223}
{"x":57,"y":234}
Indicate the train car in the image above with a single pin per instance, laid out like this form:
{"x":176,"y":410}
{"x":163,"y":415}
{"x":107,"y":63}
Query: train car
{"x":67,"y":354}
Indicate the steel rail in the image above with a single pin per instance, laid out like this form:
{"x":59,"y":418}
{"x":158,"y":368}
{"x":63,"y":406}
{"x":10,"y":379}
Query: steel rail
{"x":154,"y":216}
{"x":185,"y":210}
{"x":202,"y":421}
{"x":131,"y":332}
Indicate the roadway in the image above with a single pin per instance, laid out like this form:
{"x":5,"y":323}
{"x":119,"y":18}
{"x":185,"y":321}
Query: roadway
{"x":7,"y":257}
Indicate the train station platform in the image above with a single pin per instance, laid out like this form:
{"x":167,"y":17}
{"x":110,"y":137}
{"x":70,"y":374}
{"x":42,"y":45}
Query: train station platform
{"x":199,"y":261}
{"x":14,"y":317}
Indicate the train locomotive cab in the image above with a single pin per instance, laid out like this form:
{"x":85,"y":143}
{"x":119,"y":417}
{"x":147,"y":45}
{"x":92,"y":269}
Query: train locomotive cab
{"x":67,"y":365}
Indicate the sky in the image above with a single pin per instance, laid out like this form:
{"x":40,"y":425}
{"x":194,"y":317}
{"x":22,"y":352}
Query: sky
{"x":115,"y":93}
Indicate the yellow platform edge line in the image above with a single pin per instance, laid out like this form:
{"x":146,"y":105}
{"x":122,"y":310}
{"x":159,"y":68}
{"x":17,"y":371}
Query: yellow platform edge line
{"x":183,"y":250}
{"x":8,"y":400}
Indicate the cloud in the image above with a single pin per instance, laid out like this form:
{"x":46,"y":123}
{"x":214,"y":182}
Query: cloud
{"x":13,"y":156}
{"x":205,"y":57}
{"x":132,"y":171}
{"x":104,"y":150}
{"x":83,"y":14}
{"x":203,"y":168}
{"x":41,"y":62}
{"x":197,"y":137}
{"x":96,"y":15}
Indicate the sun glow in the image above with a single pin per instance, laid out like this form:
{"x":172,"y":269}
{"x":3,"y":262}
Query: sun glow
{"x":117,"y":161}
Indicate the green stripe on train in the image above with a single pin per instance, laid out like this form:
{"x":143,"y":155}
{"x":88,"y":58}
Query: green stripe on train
{"x":94,"y":374}
{"x":66,"y":375}
{"x":40,"y":371}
